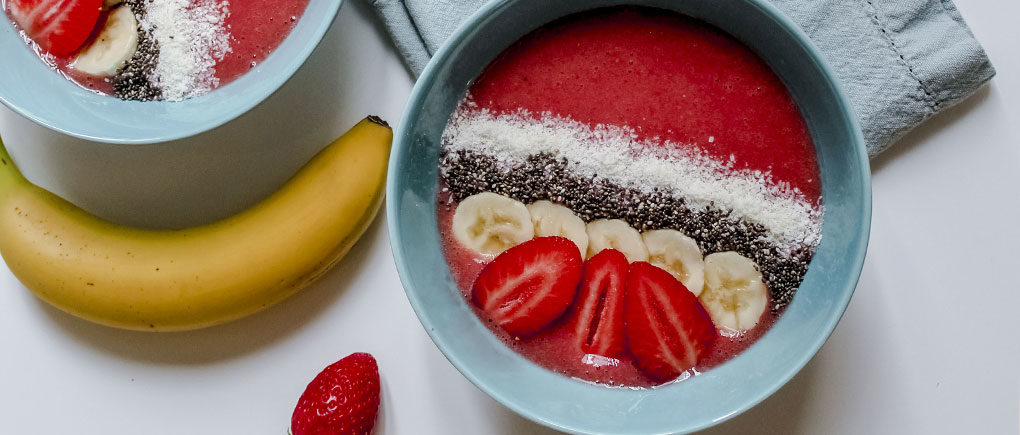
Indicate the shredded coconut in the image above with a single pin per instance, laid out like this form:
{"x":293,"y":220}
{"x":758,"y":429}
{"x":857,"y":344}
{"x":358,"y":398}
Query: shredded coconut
{"x":192,"y":37}
{"x":616,"y":154}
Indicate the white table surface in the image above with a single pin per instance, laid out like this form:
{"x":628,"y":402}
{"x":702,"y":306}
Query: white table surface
{"x":928,"y":345}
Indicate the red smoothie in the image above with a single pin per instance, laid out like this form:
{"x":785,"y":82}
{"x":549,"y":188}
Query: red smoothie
{"x":257,"y":27}
{"x":251,"y":30}
{"x":626,"y":76}
{"x":663,"y":74}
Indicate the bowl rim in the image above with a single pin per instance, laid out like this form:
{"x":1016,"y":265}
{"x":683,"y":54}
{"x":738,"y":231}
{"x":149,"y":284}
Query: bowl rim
{"x":269,"y":87}
{"x":403,"y":142}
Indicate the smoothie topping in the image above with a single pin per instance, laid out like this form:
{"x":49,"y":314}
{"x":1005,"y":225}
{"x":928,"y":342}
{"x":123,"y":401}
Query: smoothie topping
{"x":622,"y":185}
{"x":59,"y":27}
{"x":489,"y":223}
{"x":552,"y":219}
{"x":616,"y":155}
{"x":677,"y":254}
{"x":192,"y":37}
{"x":597,"y":315}
{"x":148,"y":50}
{"x":529,"y":286}
{"x":668,"y":330}
{"x":665,"y":315}
{"x":616,"y":234}
{"x":734,"y":293}
{"x":114,"y":46}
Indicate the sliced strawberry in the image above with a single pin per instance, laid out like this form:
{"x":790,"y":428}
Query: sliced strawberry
{"x":598,"y":314}
{"x":527,"y":287}
{"x":60,"y":27}
{"x":667,"y":329}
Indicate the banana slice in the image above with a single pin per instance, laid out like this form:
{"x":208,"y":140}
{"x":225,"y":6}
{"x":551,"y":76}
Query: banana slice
{"x":113,"y":47}
{"x":677,"y":254}
{"x":556,"y":220}
{"x":734,"y":294}
{"x":488,"y":223}
{"x":618,"y":235}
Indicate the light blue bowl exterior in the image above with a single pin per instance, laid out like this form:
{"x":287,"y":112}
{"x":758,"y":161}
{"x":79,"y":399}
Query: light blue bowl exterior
{"x":32,"y":89}
{"x":574,"y":406}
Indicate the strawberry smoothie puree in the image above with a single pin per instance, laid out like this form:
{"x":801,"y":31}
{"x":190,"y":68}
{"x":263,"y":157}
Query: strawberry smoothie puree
{"x":665,"y":75}
{"x":556,"y":348}
{"x":257,"y":27}
{"x":672,"y":80}
{"x":254,"y":29}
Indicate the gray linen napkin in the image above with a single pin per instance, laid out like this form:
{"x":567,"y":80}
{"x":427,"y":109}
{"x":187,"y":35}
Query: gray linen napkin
{"x":900,"y":61}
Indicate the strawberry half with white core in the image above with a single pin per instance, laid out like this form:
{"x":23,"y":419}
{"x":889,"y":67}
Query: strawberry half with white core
{"x":667,"y":329}
{"x":599,"y":309}
{"x":60,"y":27}
{"x":527,"y":287}
{"x":342,"y":399}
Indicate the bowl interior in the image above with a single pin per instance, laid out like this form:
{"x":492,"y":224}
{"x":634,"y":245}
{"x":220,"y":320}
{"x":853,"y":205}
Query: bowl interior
{"x":574,"y":406}
{"x":32,"y":89}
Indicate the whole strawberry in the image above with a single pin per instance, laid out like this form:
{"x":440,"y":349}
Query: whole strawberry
{"x":342,"y":399}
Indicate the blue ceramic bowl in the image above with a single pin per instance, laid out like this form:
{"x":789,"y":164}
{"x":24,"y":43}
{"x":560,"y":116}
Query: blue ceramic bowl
{"x":570,"y":405}
{"x":32,"y":89}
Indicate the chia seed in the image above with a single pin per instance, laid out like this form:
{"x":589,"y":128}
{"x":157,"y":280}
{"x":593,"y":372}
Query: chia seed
{"x":134,"y":80}
{"x":542,"y":176}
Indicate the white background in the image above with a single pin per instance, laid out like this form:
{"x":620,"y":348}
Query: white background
{"x":929,"y":344}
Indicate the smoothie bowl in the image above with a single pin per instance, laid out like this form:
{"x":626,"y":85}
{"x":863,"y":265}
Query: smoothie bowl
{"x":144,"y":71}
{"x":628,"y":217}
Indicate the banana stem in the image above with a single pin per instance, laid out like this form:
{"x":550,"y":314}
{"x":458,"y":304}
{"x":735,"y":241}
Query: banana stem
{"x":9,"y":173}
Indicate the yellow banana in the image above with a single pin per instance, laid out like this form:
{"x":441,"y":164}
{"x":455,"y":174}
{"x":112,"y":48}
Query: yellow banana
{"x":164,"y":280}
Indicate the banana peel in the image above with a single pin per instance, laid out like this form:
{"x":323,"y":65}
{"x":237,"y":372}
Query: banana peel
{"x":171,"y":280}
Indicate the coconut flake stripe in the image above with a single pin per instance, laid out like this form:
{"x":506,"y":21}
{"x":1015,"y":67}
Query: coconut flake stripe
{"x":615,"y":154}
{"x":192,"y":36}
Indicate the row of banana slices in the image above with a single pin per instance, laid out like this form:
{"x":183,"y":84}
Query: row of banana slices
{"x":728,"y":284}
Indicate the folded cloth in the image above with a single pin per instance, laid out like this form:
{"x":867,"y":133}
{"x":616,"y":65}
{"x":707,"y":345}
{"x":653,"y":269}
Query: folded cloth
{"x":899,"y":61}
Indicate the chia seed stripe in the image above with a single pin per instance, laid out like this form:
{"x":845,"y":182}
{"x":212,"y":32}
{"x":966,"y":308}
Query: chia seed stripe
{"x":134,"y":80}
{"x":542,"y":176}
